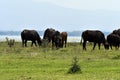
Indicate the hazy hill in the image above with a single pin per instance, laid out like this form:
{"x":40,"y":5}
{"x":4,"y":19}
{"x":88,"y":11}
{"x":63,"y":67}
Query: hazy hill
{"x":21,"y":14}
{"x":41,"y":33}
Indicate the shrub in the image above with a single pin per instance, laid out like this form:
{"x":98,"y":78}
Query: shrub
{"x":74,"y":67}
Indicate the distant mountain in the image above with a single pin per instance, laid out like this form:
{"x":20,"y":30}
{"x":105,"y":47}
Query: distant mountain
{"x":41,"y":33}
{"x":10,"y":33}
{"x":42,"y":15}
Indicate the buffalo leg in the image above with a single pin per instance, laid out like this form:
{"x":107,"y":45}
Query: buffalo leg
{"x":94,"y":46}
{"x":99,"y":45}
{"x":25,"y":43}
{"x":65,"y":42}
{"x":118,"y":46}
{"x":56,"y":45}
{"x":34,"y":43}
{"x":52,"y":44}
{"x":84,"y":45}
{"x":111,"y":46}
{"x":62,"y":43}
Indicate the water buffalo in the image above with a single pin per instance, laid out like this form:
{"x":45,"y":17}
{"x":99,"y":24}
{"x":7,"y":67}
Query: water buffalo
{"x":94,"y":36}
{"x":31,"y":35}
{"x":48,"y":34}
{"x":64,"y":38}
{"x":51,"y":35}
{"x":116,"y":32}
{"x":57,"y":39}
{"x":113,"y":40}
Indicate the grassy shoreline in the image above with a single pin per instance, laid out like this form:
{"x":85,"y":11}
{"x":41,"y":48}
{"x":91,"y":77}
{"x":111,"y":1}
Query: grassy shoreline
{"x":38,"y":63}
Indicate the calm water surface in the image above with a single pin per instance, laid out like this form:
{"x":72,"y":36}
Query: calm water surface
{"x":18,"y":38}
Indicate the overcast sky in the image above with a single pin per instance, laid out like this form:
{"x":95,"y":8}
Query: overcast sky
{"x":112,"y":5}
{"x":64,"y":15}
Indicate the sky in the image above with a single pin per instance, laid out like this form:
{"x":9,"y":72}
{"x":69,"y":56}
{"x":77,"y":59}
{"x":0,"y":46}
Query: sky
{"x":87,"y":4}
{"x":63,"y":15}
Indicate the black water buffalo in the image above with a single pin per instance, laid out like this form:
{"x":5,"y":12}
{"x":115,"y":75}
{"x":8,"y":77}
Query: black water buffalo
{"x":51,"y":35}
{"x":48,"y":34}
{"x":57,"y":39}
{"x":94,"y":36}
{"x":113,"y":40}
{"x":64,"y":38}
{"x":116,"y":32}
{"x":31,"y":35}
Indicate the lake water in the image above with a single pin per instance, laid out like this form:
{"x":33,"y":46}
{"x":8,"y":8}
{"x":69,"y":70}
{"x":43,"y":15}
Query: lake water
{"x":18,"y":38}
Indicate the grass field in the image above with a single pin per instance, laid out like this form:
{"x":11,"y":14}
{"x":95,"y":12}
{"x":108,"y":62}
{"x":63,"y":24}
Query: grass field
{"x":44,"y":63}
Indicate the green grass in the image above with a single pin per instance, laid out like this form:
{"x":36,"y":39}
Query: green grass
{"x":38,"y":63}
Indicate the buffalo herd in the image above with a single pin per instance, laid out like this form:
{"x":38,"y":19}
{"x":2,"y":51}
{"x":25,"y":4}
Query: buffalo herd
{"x":59,"y":39}
{"x":98,"y":37}
{"x":50,"y":35}
{"x":114,"y":39}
